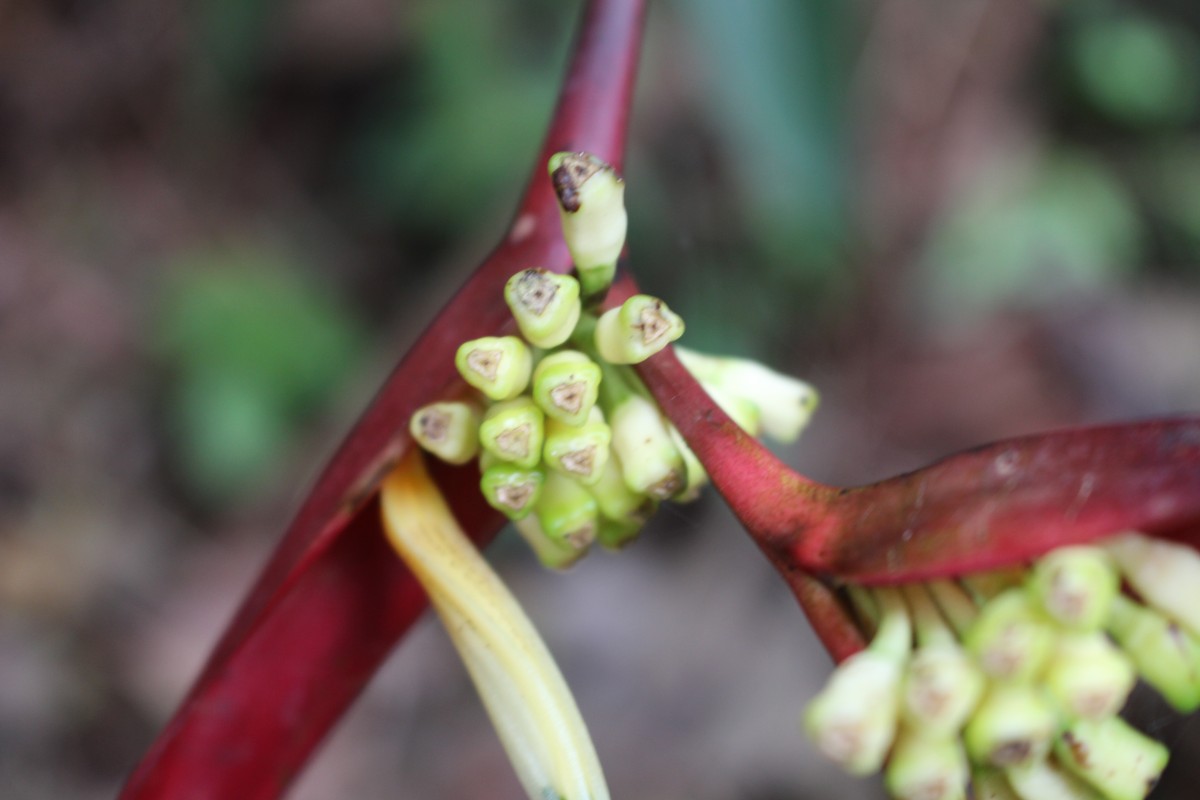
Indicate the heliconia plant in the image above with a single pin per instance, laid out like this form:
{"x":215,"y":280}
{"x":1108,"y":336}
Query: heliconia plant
{"x":973,"y":606}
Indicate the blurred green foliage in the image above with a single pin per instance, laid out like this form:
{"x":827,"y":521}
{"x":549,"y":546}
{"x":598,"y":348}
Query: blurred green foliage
{"x":1063,"y":226}
{"x":1137,"y":69}
{"x":778,"y":74}
{"x":1107,"y":190}
{"x":1173,"y":188}
{"x":462,"y":132}
{"x":254,"y":346}
{"x":231,"y":47}
{"x":750,"y":182}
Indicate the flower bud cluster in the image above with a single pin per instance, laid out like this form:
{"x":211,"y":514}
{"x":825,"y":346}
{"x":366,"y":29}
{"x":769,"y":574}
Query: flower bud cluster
{"x":1013,"y":681}
{"x":571,"y":446}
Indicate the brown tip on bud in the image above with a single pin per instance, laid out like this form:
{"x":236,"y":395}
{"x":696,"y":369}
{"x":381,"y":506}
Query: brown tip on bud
{"x":1011,"y":753}
{"x":434,"y":424}
{"x":485,"y":362}
{"x":651,"y":324}
{"x":570,"y":175}
{"x":841,"y":742}
{"x":582,"y":536}
{"x":1066,"y":598}
{"x":514,"y":442}
{"x":569,"y":396}
{"x":667,"y":487}
{"x":515,"y":497}
{"x":534,"y":291}
{"x":580,"y":462}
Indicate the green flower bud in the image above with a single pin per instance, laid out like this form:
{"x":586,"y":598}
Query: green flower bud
{"x":1011,"y":638}
{"x":591,"y":200}
{"x":1166,"y":655}
{"x":695,"y":477}
{"x":639,"y":328}
{"x":1076,"y":586}
{"x":545,"y":305}
{"x":1088,"y":675}
{"x":448,"y":430}
{"x":498,"y":366}
{"x":616,"y":501}
{"x":923,"y":767}
{"x":551,"y":553}
{"x":784,"y":404}
{"x":1014,"y":724}
{"x":580,"y":452}
{"x":1166,"y":575}
{"x":1117,"y":760}
{"x":743,"y":412}
{"x":566,"y":385}
{"x":567,"y":512}
{"x":1047,"y":780}
{"x":513,"y":431}
{"x":512,"y":490}
{"x":942,"y":685}
{"x":853,"y":720}
{"x":941,"y":688}
{"x":650,"y":462}
{"x":616,"y":534}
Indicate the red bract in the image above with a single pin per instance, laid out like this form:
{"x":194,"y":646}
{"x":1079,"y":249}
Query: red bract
{"x":333,"y":600}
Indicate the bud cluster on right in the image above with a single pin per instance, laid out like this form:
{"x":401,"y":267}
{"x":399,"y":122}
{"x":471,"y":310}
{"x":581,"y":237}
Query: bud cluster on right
{"x":571,"y":446}
{"x":1010,"y":684}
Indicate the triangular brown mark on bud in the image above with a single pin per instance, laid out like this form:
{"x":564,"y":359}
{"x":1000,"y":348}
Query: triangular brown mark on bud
{"x":568,"y":397}
{"x":434,"y":425}
{"x":1011,"y":753}
{"x":1066,"y":599}
{"x":667,"y":487}
{"x":514,"y":442}
{"x":1092,"y":704}
{"x":841,"y":742}
{"x":927,"y":694}
{"x":582,"y":536}
{"x":651,"y":324}
{"x":515,"y":496}
{"x":535,"y":291}
{"x":568,"y":178}
{"x":934,"y":788}
{"x":485,"y":362}
{"x":580,"y":462}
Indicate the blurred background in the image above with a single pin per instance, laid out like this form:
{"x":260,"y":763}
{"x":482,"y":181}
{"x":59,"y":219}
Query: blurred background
{"x":221,"y":223}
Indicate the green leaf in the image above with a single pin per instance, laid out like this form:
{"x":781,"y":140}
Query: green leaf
{"x":253,"y":347}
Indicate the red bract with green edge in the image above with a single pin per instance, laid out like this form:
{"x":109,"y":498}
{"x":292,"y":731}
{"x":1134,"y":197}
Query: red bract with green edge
{"x":333,"y":600}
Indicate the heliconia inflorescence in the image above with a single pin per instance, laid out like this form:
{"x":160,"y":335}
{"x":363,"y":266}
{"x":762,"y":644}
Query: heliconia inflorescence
{"x":1009,"y":682}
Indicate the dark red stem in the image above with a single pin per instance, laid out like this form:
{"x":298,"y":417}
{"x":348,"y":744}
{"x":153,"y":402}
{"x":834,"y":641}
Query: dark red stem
{"x":333,"y":600}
